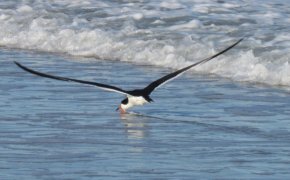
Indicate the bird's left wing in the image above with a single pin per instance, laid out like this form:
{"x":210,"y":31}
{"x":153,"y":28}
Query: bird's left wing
{"x":100,"y":85}
{"x":175,"y":74}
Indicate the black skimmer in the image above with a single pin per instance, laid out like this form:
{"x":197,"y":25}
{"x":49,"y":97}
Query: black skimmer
{"x":133,"y":97}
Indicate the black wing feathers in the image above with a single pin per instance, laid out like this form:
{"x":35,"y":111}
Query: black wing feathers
{"x":139,"y":92}
{"x":104,"y":86}
{"x":166,"y":78}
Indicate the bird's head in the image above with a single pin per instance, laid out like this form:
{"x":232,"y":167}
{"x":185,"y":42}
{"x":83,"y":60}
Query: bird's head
{"x":123,"y":106}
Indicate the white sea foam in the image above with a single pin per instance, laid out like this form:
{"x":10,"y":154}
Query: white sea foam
{"x":187,"y":26}
{"x":171,"y":4}
{"x":24,"y":9}
{"x":163,"y":33}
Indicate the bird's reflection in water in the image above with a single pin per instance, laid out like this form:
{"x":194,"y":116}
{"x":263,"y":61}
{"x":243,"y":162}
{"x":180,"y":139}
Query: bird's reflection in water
{"x":136,"y":130}
{"x":135,"y":125}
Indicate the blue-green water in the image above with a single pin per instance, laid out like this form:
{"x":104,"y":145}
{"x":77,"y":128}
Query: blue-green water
{"x":199,"y":127}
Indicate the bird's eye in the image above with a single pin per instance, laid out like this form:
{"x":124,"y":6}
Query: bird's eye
{"x":125,"y":101}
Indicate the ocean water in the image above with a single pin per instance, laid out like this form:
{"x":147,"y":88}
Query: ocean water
{"x":226,"y":119}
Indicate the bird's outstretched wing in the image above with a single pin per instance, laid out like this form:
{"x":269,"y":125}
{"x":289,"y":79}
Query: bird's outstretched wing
{"x":175,"y":74}
{"x":100,"y":85}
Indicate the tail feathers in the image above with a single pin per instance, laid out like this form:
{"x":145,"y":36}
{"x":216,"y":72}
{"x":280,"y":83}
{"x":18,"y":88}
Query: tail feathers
{"x":148,"y":98}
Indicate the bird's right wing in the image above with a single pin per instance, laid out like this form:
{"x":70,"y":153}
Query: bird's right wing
{"x":175,"y":74}
{"x":100,"y":85}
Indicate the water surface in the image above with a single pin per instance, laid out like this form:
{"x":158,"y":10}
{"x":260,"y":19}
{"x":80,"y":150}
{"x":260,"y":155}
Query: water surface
{"x":200,"y":126}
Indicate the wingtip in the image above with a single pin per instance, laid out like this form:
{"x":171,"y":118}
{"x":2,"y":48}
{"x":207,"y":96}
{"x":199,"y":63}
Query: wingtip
{"x":21,"y":66}
{"x":243,"y":38}
{"x":17,"y":63}
{"x":236,"y":43}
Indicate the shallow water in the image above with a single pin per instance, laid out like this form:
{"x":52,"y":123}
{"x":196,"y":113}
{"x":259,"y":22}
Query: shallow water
{"x":200,"y":126}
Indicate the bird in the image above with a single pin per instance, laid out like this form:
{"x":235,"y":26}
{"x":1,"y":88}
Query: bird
{"x":136,"y":97}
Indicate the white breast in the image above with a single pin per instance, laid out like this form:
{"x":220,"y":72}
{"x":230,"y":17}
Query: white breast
{"x":134,"y":101}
